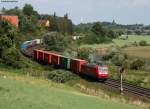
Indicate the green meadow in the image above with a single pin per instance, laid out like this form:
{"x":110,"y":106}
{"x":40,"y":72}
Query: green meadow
{"x":23,"y":92}
{"x":120,"y":42}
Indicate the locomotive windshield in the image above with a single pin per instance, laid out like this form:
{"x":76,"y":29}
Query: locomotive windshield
{"x":103,"y":70}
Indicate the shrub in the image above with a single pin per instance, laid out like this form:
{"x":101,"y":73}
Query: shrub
{"x":108,"y":56}
{"x":111,"y":52}
{"x":56,"y":41}
{"x":125,"y":46}
{"x":126,"y":63}
{"x":118,"y":59}
{"x":61,"y":76}
{"x":143,"y":43}
{"x":147,"y":65}
{"x":135,"y":43}
{"x":12,"y":57}
{"x":84,"y":53}
{"x":137,"y":64}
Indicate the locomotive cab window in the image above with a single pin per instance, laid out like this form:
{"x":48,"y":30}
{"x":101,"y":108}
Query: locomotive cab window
{"x":103,"y":70}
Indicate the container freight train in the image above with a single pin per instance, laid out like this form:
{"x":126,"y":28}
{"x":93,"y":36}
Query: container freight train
{"x":78,"y":66}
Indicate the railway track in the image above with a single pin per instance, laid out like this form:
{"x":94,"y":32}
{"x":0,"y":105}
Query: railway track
{"x":128,"y":87}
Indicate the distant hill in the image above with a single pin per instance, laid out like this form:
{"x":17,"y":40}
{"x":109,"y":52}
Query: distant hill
{"x":130,"y":29}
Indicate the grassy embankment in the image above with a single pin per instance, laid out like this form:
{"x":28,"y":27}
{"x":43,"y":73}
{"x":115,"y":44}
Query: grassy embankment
{"x":18,"y":90}
{"x":23,"y":92}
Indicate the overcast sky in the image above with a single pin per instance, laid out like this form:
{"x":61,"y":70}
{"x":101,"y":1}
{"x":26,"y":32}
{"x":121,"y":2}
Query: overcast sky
{"x":122,"y":11}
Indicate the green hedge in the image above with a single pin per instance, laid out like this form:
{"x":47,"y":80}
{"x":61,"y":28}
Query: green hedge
{"x":143,"y":43}
{"x":61,"y":76}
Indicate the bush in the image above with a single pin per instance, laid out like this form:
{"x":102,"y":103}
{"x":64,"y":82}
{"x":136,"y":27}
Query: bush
{"x":143,"y":43}
{"x":12,"y":57}
{"x":111,"y":52}
{"x":137,"y":64}
{"x":126,"y":63}
{"x":84,"y":53}
{"x":108,"y":56}
{"x":147,"y":65}
{"x":135,"y":43}
{"x":118,"y":59}
{"x":125,"y":46}
{"x":56,"y":41}
{"x":61,"y":76}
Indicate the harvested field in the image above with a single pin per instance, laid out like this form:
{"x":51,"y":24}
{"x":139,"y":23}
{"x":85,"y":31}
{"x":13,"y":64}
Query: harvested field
{"x":142,"y":52}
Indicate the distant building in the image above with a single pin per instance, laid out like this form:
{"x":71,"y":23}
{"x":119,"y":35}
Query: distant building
{"x":77,"y":37}
{"x":102,"y":51}
{"x":11,"y":18}
{"x":45,"y":23}
{"x":146,"y":32}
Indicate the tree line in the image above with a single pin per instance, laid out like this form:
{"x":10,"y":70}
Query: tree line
{"x":28,"y":18}
{"x":97,"y":33}
{"x":9,"y":54}
{"x":119,"y":28}
{"x":11,"y":37}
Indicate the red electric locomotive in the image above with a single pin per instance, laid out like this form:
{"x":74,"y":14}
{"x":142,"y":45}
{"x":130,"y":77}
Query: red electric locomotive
{"x":95,"y":71}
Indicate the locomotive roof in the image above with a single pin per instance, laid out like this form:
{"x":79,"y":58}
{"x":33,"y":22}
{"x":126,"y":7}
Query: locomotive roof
{"x":91,"y":65}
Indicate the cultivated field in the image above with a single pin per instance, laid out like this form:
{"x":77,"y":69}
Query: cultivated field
{"x":142,"y":52}
{"x":121,"y":42}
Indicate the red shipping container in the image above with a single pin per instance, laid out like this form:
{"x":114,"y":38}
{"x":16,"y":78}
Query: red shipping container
{"x":55,"y":59}
{"x":35,"y":54}
{"x":41,"y":55}
{"x":47,"y":57}
{"x":75,"y":65}
{"x":12,"y":19}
